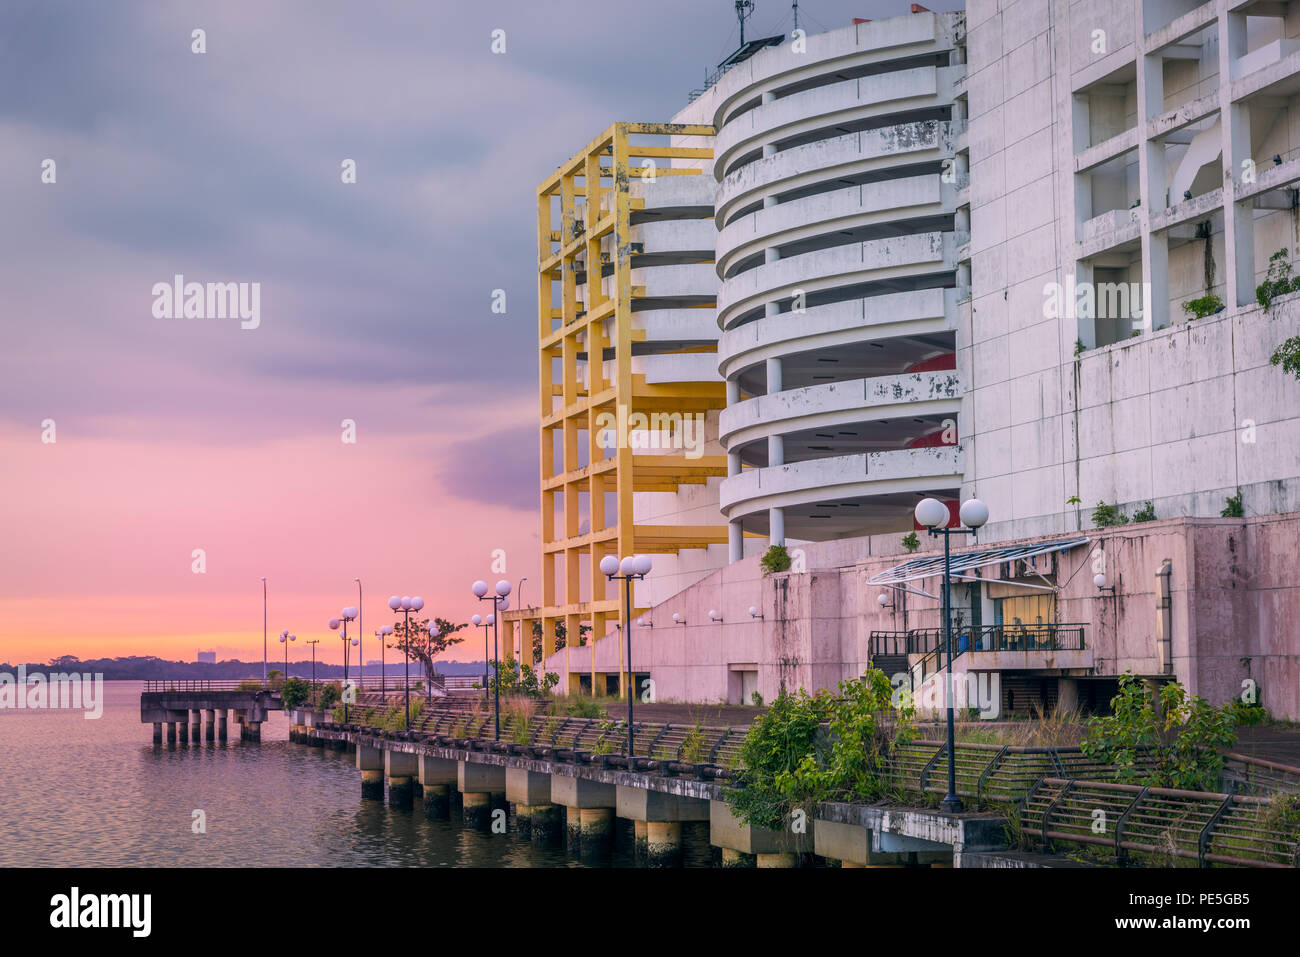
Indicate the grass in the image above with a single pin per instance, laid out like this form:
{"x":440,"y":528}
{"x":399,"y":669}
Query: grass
{"x":1055,"y":729}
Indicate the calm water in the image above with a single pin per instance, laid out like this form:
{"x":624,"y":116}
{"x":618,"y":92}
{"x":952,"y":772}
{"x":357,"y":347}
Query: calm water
{"x":99,"y":793}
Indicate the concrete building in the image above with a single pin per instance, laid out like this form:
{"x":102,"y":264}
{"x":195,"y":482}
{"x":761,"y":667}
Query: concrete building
{"x":1010,"y":253}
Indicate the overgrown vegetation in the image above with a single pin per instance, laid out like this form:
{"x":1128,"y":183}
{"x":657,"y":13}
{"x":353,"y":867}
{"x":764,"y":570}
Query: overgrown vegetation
{"x":1104,"y":516}
{"x":1278,"y":281}
{"x":329,"y":695}
{"x":1206,"y":305}
{"x":521,"y":680}
{"x":1147,"y":513}
{"x":911,"y":542}
{"x":1287,"y":355}
{"x":1234,"y":508}
{"x":1185,"y":736}
{"x":294,"y":692}
{"x":787,"y":761}
{"x":775,"y":559}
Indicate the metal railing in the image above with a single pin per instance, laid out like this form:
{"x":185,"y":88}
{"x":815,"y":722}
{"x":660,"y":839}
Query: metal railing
{"x":153,"y":685}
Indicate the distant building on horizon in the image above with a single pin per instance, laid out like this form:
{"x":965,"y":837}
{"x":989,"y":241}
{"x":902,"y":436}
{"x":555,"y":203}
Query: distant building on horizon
{"x":206,"y":657}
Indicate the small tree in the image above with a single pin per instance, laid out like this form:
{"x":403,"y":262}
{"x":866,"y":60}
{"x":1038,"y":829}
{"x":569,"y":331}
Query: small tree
{"x":775,"y":559}
{"x":295,"y":692}
{"x":426,"y":643}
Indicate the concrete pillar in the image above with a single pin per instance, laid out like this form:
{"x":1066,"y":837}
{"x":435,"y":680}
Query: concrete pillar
{"x":252,"y":731}
{"x":735,"y":540}
{"x":221,"y":724}
{"x":734,"y":858}
{"x":639,"y":840}
{"x":547,"y":822}
{"x":775,"y":376}
{"x":524,"y":821}
{"x":171,"y":732}
{"x":370,"y":762}
{"x":596,"y":826}
{"x":400,"y":767}
{"x":663,"y":843}
{"x":573,"y":827}
{"x":196,"y":725}
{"x":210,"y":724}
{"x":157,"y":732}
{"x":477,"y":809}
{"x":437,"y":801}
{"x":776,"y":526}
{"x":776,"y":860}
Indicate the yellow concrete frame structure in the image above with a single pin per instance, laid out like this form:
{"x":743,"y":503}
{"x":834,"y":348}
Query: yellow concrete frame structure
{"x":594,"y":202}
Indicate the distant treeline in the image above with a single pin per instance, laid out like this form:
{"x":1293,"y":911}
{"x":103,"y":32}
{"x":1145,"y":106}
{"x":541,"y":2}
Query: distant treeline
{"x":140,"y":667}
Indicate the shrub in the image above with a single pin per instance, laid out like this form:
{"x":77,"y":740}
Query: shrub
{"x":1147,"y":513}
{"x":1287,"y":355}
{"x":330,"y":695}
{"x":1104,"y":516}
{"x":775,"y":559}
{"x":1206,"y":305}
{"x":1234,"y":508}
{"x":295,"y":692}
{"x":1185,"y":736}
{"x":1278,"y":281}
{"x":911,"y":542}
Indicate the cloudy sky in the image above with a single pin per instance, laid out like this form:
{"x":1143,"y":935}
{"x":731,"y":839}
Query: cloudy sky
{"x":172,"y":435}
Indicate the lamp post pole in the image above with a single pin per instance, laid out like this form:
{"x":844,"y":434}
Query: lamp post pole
{"x":500,"y":601}
{"x":313,"y":642}
{"x":935,"y":516}
{"x":264,"y":632}
{"x":348,"y":614}
{"x":630,"y":568}
{"x":361,"y":639}
{"x":406,"y":604}
{"x":285,"y":638}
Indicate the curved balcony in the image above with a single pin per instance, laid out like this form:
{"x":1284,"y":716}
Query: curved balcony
{"x":922,"y":312}
{"x":851,"y":156}
{"x":899,"y":473}
{"x":870,"y":206}
{"x":899,"y":257}
{"x":839,"y":403}
{"x":863,"y":101}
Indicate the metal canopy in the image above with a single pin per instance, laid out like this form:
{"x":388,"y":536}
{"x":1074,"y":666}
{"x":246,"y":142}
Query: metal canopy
{"x":918,"y":568}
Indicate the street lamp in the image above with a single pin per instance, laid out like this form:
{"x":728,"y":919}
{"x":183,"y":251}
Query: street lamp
{"x":933,"y":515}
{"x":500,"y":602}
{"x":361,"y":633}
{"x":381,"y":635}
{"x":263,"y":632}
{"x":285,"y":638}
{"x":630,"y":568}
{"x":348,"y":614}
{"x":313,"y":642}
{"x":406,"y":604}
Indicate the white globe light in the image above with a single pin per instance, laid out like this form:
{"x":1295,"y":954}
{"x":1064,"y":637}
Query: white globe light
{"x":477,"y":620}
{"x":349,"y":612}
{"x":503,"y":603}
{"x":974,"y":513}
{"x":334,"y":624}
{"x":643,"y":564}
{"x":640,"y":622}
{"x":417,"y":603}
{"x":1099,"y":581}
{"x":676,"y":617}
{"x":608,"y":565}
{"x":293,"y":637}
{"x":387,"y":629}
{"x":395,"y":603}
{"x":480,"y":588}
{"x":503,"y":588}
{"x":282,"y":639}
{"x":406,"y":603}
{"x":931,"y":513}
{"x":354,"y":642}
{"x":882,"y":599}
{"x":713,"y":613}
{"x":627,"y":566}
{"x":753,"y":611}
{"x":491,"y":619}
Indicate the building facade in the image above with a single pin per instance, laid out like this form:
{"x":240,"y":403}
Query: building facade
{"x":1014,"y":254}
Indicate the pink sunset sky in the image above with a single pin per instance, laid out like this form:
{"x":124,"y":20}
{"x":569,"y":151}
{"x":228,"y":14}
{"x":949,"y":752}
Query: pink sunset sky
{"x":177,"y":434}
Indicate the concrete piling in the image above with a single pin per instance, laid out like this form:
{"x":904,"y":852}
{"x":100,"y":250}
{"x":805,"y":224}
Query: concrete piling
{"x":222,"y":714}
{"x":210,"y":724}
{"x":663,"y":843}
{"x":157,"y":732}
{"x":477,"y":809}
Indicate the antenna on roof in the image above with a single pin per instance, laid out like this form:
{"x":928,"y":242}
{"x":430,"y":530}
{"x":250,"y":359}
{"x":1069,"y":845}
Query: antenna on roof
{"x":744,"y":10}
{"x":796,"y":14}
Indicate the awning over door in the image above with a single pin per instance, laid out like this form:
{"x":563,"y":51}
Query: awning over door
{"x":917,"y":568}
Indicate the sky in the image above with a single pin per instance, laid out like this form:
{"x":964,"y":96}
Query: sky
{"x":154,"y":468}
